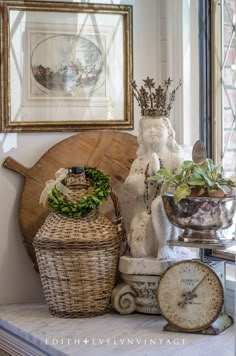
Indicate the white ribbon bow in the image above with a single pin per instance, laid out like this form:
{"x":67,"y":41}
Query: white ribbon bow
{"x":50,"y":184}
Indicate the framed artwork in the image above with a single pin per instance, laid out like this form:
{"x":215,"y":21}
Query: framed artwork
{"x":65,"y":66}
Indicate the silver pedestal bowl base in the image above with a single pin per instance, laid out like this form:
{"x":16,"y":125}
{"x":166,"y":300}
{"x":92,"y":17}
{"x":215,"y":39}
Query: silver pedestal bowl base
{"x":203,"y":236}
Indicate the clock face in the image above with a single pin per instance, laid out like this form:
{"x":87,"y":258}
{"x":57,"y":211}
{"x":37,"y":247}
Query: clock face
{"x":190,"y":295}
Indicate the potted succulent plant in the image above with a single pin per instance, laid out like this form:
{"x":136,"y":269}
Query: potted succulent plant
{"x":198,"y":180}
{"x":198,"y":199}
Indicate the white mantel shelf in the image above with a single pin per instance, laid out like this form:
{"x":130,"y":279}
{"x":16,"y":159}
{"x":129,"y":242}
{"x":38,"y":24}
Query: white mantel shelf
{"x":29,"y":329}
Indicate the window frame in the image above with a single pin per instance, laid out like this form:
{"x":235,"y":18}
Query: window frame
{"x":210,"y":92}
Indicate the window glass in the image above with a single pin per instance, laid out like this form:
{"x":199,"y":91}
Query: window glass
{"x":228,"y":87}
{"x":224,"y":95}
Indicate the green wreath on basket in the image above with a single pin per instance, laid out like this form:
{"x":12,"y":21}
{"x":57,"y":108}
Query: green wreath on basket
{"x":80,"y":208}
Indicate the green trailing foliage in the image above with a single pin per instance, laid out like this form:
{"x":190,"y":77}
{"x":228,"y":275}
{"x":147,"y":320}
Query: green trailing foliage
{"x":80,"y":208}
{"x":205,"y":179}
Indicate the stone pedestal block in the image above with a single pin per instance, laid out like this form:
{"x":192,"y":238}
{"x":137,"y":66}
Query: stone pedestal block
{"x":137,"y":292}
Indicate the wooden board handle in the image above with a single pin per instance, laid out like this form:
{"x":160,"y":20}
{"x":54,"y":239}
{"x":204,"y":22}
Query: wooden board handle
{"x":15,"y":166}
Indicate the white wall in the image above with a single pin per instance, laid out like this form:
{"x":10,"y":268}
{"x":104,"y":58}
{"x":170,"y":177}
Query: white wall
{"x":18,"y":281}
{"x":179,"y":19}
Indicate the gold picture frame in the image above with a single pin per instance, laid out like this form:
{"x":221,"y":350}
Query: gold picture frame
{"x":65,"y":66}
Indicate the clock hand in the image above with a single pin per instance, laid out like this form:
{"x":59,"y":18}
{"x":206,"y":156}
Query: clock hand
{"x":199,"y":283}
{"x":189,"y":295}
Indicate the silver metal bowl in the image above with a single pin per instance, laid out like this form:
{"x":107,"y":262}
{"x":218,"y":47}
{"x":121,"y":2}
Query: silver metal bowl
{"x":202,"y":218}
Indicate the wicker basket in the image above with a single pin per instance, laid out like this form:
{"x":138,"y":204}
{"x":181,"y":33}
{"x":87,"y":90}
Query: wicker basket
{"x":78,"y":262}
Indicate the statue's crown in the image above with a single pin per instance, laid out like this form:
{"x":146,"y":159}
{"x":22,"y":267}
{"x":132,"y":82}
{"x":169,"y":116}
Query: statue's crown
{"x":155,"y":101}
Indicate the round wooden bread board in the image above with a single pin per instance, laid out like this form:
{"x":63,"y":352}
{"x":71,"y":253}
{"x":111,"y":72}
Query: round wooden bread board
{"x":110,"y":151}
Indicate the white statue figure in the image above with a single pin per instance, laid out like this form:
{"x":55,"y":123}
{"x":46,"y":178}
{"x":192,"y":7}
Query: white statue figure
{"x":149,"y":228}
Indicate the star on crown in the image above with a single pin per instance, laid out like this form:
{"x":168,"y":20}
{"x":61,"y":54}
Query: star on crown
{"x":153,"y":101}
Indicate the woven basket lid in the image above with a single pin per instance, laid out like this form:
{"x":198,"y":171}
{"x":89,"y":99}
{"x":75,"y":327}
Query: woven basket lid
{"x":93,"y":231}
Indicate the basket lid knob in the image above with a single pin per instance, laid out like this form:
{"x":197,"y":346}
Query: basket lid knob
{"x":76,"y":170}
{"x":77,"y":182}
